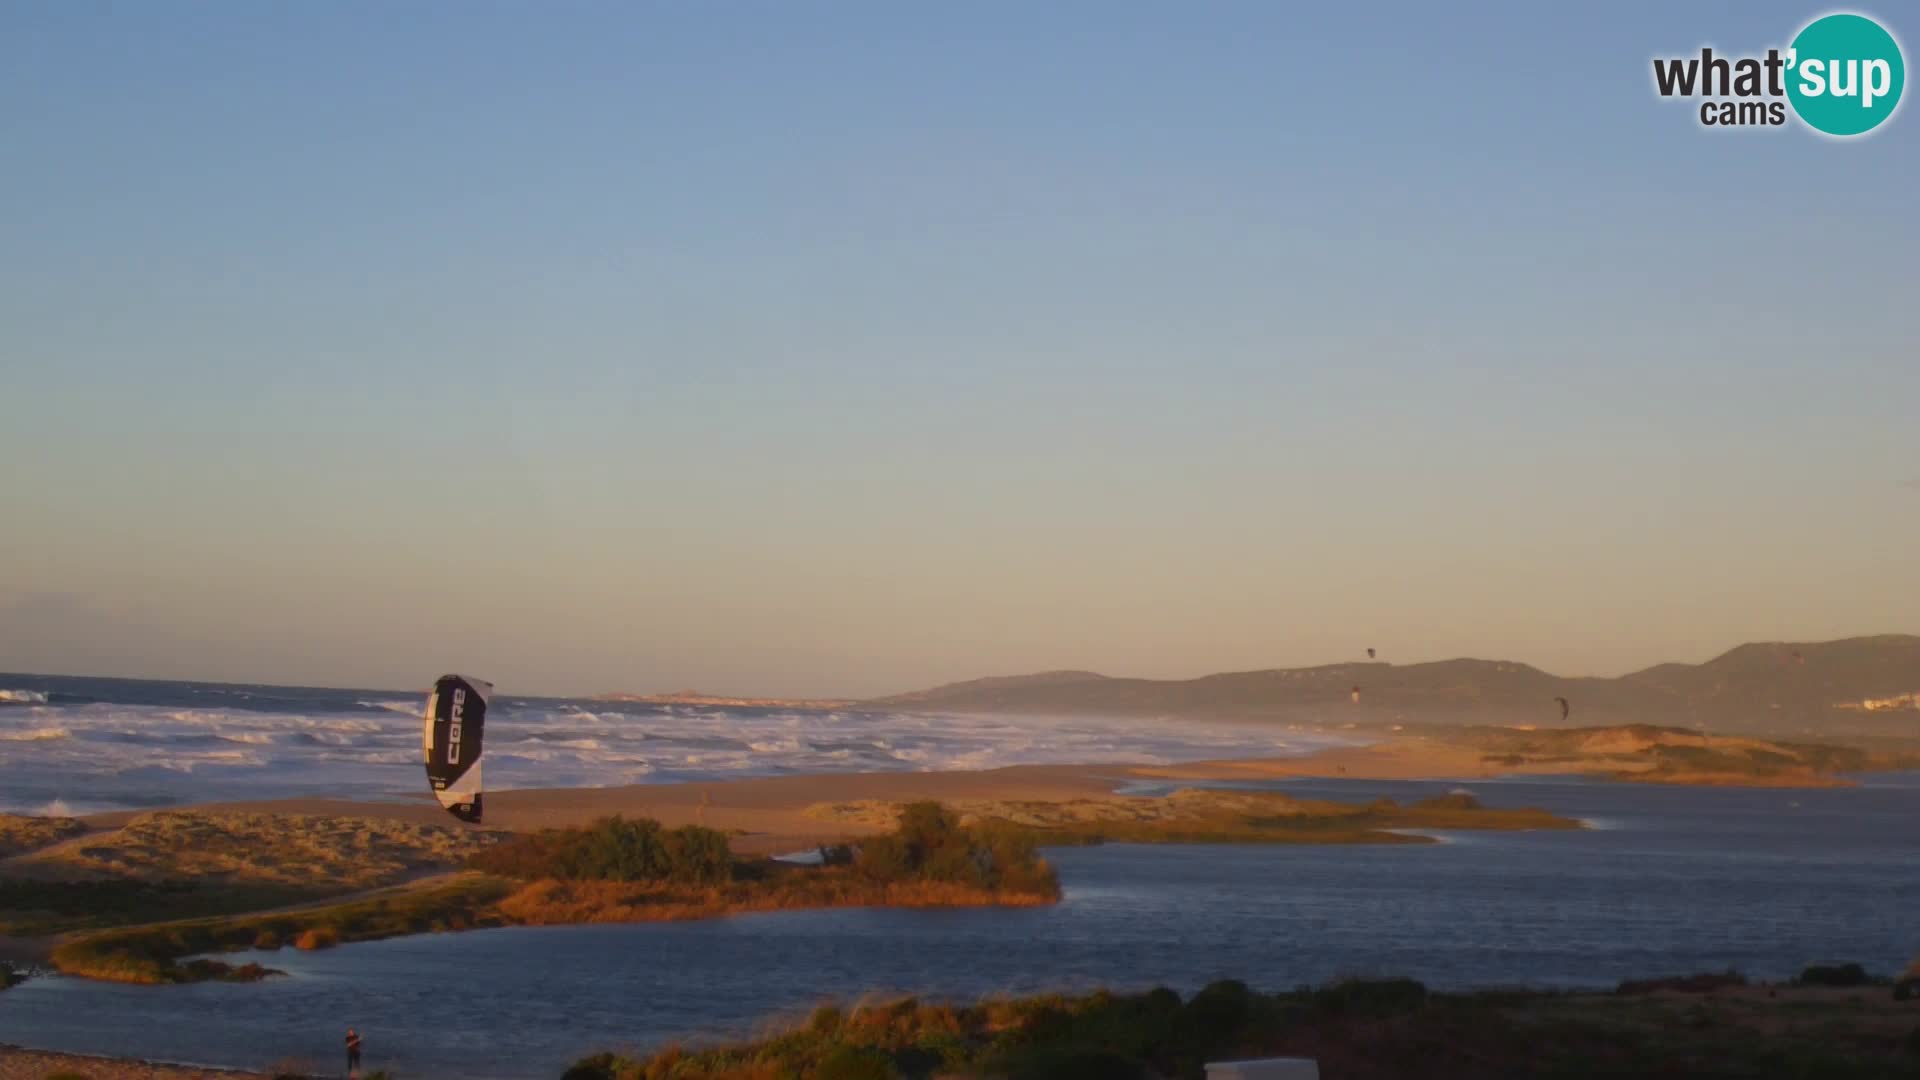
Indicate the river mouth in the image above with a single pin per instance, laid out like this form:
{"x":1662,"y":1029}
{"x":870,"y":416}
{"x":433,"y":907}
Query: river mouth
{"x":1678,"y":880}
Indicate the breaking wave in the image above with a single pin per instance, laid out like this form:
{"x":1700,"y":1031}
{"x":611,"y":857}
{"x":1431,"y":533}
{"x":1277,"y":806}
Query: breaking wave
{"x":178,"y":747}
{"x":24,"y":697}
{"x":40,"y":734}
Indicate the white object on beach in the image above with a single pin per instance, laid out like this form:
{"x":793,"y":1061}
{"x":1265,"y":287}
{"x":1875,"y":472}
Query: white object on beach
{"x":1264,"y":1069}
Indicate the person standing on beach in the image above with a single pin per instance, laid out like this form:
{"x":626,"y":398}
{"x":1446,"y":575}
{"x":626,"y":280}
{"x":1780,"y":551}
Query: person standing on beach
{"x":353,"y":1054}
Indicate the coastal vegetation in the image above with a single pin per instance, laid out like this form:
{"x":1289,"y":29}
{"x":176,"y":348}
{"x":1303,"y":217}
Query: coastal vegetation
{"x":626,"y":871}
{"x":302,"y":851}
{"x":1212,"y":815}
{"x":614,"y":870}
{"x":21,"y":833}
{"x":154,"y":901}
{"x":36,"y":907}
{"x":1358,"y":1029}
{"x":156,"y":953}
{"x":174,"y":865}
{"x":1644,"y":753}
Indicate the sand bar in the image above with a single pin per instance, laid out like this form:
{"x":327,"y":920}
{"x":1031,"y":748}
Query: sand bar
{"x":769,"y":816}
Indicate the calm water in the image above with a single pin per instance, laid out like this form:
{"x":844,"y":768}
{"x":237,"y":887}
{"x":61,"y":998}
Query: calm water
{"x":1672,"y":880}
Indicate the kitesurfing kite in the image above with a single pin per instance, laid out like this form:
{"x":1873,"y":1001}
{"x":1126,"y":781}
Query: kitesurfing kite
{"x":1564,"y":707}
{"x":1369,"y":653}
{"x":456,"y":719}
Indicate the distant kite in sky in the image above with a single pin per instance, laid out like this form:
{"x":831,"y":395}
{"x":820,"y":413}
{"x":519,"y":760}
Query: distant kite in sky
{"x":1564,"y":707}
{"x":1369,"y":654}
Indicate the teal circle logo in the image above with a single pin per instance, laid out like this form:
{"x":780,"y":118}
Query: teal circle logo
{"x":1845,"y":74}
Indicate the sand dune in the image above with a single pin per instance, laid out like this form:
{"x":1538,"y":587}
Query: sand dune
{"x":770,"y":815}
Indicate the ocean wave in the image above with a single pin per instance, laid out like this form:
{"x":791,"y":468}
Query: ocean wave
{"x":385,"y":757}
{"x":367,"y":744}
{"x":24,"y":697}
{"x":41,"y":734}
{"x":542,"y":749}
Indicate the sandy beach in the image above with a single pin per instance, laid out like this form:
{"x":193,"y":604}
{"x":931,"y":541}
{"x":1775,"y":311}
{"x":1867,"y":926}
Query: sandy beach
{"x":769,"y":815}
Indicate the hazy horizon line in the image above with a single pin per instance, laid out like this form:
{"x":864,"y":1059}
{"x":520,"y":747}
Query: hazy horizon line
{"x":1022,"y":674}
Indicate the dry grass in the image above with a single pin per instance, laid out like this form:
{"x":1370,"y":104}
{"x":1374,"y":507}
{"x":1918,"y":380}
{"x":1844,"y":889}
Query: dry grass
{"x":1383,"y":1029}
{"x":153,"y":953}
{"x":930,"y":862}
{"x":20,"y":834}
{"x":336,"y":853}
{"x":1644,"y":753}
{"x":555,"y":903}
{"x":1184,"y":805}
{"x":1202,"y":815}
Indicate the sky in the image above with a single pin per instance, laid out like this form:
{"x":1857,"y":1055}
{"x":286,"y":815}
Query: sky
{"x":848,"y":348}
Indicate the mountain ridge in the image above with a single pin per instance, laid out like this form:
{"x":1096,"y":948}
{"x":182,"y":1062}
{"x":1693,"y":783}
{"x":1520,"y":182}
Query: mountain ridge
{"x":1844,"y":685}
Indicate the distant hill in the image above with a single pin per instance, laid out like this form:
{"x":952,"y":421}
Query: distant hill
{"x":695,"y":697}
{"x":1865,"y":685}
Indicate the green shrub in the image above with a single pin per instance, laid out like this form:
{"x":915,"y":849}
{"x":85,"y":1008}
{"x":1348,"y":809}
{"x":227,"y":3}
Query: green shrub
{"x":597,"y":1067}
{"x":1704,"y":983}
{"x":826,"y":1020}
{"x":930,"y":844}
{"x":614,"y":849}
{"x":68,"y":1076}
{"x":1371,"y":997}
{"x":884,"y":858}
{"x":697,"y":855}
{"x":1834,"y":975}
{"x":1076,"y":1063}
{"x":856,"y":1063}
{"x":1217,"y":1011}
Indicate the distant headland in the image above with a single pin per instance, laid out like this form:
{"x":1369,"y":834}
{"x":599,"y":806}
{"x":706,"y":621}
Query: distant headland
{"x":695,"y":697}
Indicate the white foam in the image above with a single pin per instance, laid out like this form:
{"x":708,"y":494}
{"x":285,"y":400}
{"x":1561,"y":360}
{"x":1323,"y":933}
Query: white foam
{"x":24,"y":697}
{"x":39,"y":734}
{"x":252,"y":738}
{"x":150,"y":754}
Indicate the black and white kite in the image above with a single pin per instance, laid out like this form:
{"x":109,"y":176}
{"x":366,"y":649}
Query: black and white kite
{"x":456,"y":720}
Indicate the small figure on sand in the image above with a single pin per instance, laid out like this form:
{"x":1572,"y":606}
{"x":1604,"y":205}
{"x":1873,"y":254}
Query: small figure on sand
{"x":353,"y":1054}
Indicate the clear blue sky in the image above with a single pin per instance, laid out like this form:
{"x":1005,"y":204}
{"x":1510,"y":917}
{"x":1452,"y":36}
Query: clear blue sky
{"x":846,"y":347}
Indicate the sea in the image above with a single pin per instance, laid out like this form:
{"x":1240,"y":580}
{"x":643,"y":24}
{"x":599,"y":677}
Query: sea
{"x":1664,"y":880}
{"x":73,"y":745}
